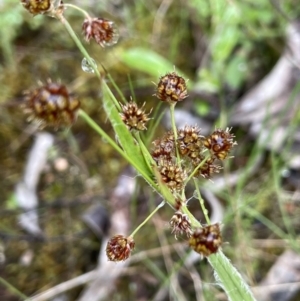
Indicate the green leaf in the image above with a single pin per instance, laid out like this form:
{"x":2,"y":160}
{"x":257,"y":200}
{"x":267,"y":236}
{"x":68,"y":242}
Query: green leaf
{"x":147,"y":61}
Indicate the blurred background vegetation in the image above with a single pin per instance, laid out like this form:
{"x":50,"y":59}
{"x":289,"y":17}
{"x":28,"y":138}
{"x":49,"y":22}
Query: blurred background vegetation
{"x":224,"y":48}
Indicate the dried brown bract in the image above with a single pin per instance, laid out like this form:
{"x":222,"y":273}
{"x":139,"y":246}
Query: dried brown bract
{"x":119,"y":248}
{"x":103,"y":31}
{"x":171,"y":88}
{"x":134,"y":117}
{"x":52,"y":105}
{"x":180,"y":223}
{"x":206,"y":240}
{"x":220,"y":143}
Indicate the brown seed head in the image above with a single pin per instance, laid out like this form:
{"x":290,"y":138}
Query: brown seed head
{"x":207,"y":240}
{"x":49,"y":7}
{"x":104,"y":32}
{"x":172,"y":175}
{"x":119,"y":248}
{"x":52,"y":105}
{"x":171,"y":88}
{"x":134,"y":117}
{"x":190,"y":141}
{"x":180,"y":223}
{"x":220,"y":143}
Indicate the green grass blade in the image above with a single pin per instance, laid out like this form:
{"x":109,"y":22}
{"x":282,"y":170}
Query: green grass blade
{"x":229,"y":278}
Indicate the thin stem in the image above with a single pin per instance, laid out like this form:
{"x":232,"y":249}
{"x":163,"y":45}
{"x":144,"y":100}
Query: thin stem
{"x":195,"y":223}
{"x":86,"y":55}
{"x":117,"y":89}
{"x":148,"y":218}
{"x":204,"y":210}
{"x":99,"y":130}
{"x":172,"y":111}
{"x":79,"y":45}
{"x":104,"y":135}
{"x":196,"y":169}
{"x":13,"y":289}
{"x":112,"y":97}
{"x":78,"y":8}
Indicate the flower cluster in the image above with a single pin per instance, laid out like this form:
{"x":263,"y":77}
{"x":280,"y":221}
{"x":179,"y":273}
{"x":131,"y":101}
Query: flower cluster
{"x":172,"y":175}
{"x":206,"y":240}
{"x":119,"y":248}
{"x":180,"y":223}
{"x":220,"y":143}
{"x":198,"y":154}
{"x":134,"y":117}
{"x":103,"y":31}
{"x":171,"y":88}
{"x":48,"y":7}
{"x":51,"y":104}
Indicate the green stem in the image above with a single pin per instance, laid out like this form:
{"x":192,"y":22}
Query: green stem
{"x":146,"y":219}
{"x":78,"y":8}
{"x":204,"y":210}
{"x":13,"y":289}
{"x":196,"y":169}
{"x":195,"y":223}
{"x":112,"y":97}
{"x":104,"y":135}
{"x":229,"y":278}
{"x":111,"y":80}
{"x":172,"y":113}
{"x":79,"y":44}
{"x":100,"y":131}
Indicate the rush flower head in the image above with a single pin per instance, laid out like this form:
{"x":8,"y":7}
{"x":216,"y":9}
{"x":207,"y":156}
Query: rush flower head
{"x":220,"y":143}
{"x":180,"y":223}
{"x":164,"y":148}
{"x":119,"y":248}
{"x":172,"y":174}
{"x":49,"y":7}
{"x":51,"y":104}
{"x":134,"y":117}
{"x":171,"y":88}
{"x":190,"y":141}
{"x":206,"y":240}
{"x":104,"y":32}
